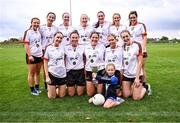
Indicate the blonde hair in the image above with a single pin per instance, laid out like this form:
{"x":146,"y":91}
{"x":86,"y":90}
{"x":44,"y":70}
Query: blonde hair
{"x":110,"y":64}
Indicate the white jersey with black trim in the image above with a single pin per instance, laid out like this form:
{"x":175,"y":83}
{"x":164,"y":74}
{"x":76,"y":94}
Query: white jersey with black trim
{"x":130,"y":59}
{"x":94,"y":56}
{"x":103,"y":31}
{"x":117,"y":32}
{"x":137,"y":31}
{"x":84,"y":33}
{"x":66,"y":31}
{"x":47,"y":34}
{"x":114,"y":56}
{"x":34,"y":39}
{"x":56,"y":62}
{"x":74,"y":57}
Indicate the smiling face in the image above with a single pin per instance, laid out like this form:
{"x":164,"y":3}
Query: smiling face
{"x":101,"y":17}
{"x":133,"y":19}
{"x":35,"y":22}
{"x":84,"y":20}
{"x":66,"y":18}
{"x":112,"y":41}
{"x":110,"y":69}
{"x":94,"y":39}
{"x":51,"y":17}
{"x":74,"y":38}
{"x":116,"y":19}
{"x":57,"y":39}
{"x":125,"y":36}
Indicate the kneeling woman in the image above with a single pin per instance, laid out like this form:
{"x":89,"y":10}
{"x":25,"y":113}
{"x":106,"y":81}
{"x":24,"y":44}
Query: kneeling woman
{"x":54,"y":67}
{"x":132,"y":64}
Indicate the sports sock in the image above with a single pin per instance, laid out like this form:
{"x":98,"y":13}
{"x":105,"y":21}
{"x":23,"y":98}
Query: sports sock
{"x":32,"y":89}
{"x":37,"y":86}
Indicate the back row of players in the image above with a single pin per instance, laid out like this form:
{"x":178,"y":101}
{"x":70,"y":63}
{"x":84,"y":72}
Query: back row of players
{"x":68,"y":52}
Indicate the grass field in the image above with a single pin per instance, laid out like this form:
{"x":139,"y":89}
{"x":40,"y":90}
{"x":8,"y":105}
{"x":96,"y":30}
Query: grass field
{"x":17,"y":105}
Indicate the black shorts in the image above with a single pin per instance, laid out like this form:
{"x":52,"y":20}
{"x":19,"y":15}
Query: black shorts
{"x":57,"y":81}
{"x":145,"y":55}
{"x":131,"y":79}
{"x":76,"y":77}
{"x":118,"y":75}
{"x":89,"y":75}
{"x":36,"y":60}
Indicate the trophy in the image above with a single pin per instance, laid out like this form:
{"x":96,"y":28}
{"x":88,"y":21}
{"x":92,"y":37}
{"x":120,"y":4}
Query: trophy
{"x":94,"y":69}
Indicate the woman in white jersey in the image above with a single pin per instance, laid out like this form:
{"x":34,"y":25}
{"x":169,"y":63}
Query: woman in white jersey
{"x":75,"y":65}
{"x":54,"y":66}
{"x":84,"y":30}
{"x":102,"y":27}
{"x":94,"y":53}
{"x":33,"y":48}
{"x":65,"y":28}
{"x":114,"y":55}
{"x":132,"y":64}
{"x":116,"y":28}
{"x":47,"y":34}
{"x":138,"y":32}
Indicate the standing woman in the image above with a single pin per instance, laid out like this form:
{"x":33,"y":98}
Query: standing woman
{"x":139,"y":34}
{"x":32,"y":42}
{"x":94,"y":53}
{"x":84,"y":30}
{"x":65,"y":28}
{"x":114,"y":55}
{"x":102,"y":27}
{"x":47,"y":34}
{"x":132,"y":64}
{"x":116,"y":28}
{"x":54,"y":66}
{"x":75,"y":65}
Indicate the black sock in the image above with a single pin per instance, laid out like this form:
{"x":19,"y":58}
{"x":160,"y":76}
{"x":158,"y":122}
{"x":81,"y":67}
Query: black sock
{"x":37,"y":86}
{"x":32,"y":89}
{"x":145,"y":86}
{"x":45,"y":85}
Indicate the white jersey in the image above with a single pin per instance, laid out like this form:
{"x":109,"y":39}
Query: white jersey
{"x":130,"y":60}
{"x":114,"y":56}
{"x":34,"y":39}
{"x":117,"y":32}
{"x":137,"y":31}
{"x":56,"y":62}
{"x":84,"y":34}
{"x":74,"y":57}
{"x":103,"y":31}
{"x":47,"y":35}
{"x":66,"y":31}
{"x":94,"y":56}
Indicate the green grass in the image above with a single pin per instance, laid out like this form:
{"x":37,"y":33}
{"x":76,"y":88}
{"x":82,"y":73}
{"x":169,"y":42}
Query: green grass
{"x":16,"y":103}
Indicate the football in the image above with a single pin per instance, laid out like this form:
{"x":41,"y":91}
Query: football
{"x":98,"y":99}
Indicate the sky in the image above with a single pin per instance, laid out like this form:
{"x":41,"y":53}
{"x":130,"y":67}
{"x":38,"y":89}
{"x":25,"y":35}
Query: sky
{"x":161,"y":17}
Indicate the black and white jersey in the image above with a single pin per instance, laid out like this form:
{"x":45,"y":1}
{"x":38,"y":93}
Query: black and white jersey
{"x":103,"y":31}
{"x":33,"y":38}
{"x":84,"y":33}
{"x":130,"y":59}
{"x":56,"y":61}
{"x":117,"y":32}
{"x":115,"y":57}
{"x":74,"y":57}
{"x":47,"y":35}
{"x":94,"y":56}
{"x":66,"y":31}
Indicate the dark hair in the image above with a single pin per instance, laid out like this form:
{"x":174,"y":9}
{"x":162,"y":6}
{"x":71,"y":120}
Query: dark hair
{"x":64,"y":14}
{"x":132,"y":12}
{"x":125,"y":31}
{"x":97,"y":24}
{"x":57,"y":33}
{"x":94,"y":33}
{"x":34,"y":18}
{"x":74,"y":32}
{"x":114,"y":15}
{"x":53,"y":14}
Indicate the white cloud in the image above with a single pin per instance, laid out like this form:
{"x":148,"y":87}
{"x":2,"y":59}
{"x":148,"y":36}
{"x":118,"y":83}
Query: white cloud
{"x":159,"y":15}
